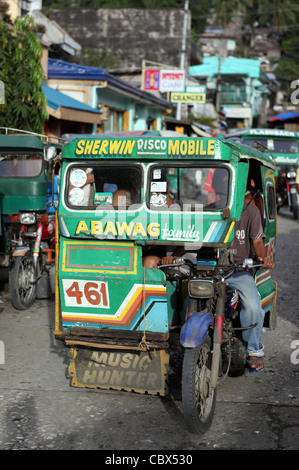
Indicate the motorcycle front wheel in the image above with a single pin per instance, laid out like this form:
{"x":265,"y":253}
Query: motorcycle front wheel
{"x":198,"y":398}
{"x":21,"y":286}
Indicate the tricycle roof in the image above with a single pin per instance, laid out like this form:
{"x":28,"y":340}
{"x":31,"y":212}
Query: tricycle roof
{"x":274,"y":133}
{"x":161,"y":148}
{"x":12,"y":141}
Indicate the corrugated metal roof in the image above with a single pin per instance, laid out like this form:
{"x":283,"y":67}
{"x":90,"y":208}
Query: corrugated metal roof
{"x":68,"y":70}
{"x":60,"y":69}
{"x":229,"y":66}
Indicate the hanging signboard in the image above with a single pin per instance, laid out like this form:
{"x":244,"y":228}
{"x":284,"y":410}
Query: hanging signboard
{"x":195,"y":89}
{"x":188,"y":97}
{"x":172,"y":80}
{"x":152,"y":79}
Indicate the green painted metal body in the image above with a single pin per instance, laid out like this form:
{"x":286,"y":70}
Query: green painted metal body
{"x":25,"y":177}
{"x":19,"y":192}
{"x":282,"y":144}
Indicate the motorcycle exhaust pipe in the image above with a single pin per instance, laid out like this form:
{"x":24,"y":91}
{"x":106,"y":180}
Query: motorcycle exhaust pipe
{"x":217,"y":340}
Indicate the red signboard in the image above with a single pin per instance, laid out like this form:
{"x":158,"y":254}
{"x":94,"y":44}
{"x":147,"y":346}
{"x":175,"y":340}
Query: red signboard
{"x":152,"y":79}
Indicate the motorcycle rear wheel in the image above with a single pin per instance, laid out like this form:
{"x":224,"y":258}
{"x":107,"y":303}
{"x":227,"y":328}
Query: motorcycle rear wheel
{"x":295,"y":207}
{"x":22,"y":289}
{"x":198,"y":399}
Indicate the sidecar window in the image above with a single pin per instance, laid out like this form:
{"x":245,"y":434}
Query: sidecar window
{"x":191,"y":188}
{"x":275,"y":145}
{"x":20,"y":165}
{"x":103,"y":187}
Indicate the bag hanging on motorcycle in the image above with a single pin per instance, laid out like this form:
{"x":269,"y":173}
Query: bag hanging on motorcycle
{"x":231,"y":304}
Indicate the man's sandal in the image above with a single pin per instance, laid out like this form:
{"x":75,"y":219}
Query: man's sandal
{"x":255,"y":365}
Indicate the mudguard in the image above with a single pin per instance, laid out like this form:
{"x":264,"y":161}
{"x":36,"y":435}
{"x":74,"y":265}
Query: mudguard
{"x":21,"y":251}
{"x":195,"y":328}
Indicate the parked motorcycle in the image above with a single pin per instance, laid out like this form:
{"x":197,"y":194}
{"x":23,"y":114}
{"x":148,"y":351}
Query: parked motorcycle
{"x":293,"y":197}
{"x":211,"y":336}
{"x":286,"y":193}
{"x":32,"y":244}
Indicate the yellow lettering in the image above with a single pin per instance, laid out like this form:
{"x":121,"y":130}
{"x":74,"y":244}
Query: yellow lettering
{"x":201,"y":150}
{"x":211,"y":145}
{"x":184,"y":147}
{"x":80,"y":147}
{"x":139,"y":229}
{"x":96,"y":227}
{"x":122,"y":147}
{"x":88,"y":146}
{"x":104,"y":146}
{"x":153,"y":229}
{"x":110,"y":228}
{"x":96,"y":147}
{"x":174,"y":147}
{"x":129,"y":146}
{"x":191,"y":147}
{"x":81,"y":227}
{"x":114,"y":146}
{"x":124,"y":227}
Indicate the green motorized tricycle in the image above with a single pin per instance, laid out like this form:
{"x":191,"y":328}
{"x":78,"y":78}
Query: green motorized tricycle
{"x":283,"y":145}
{"x":26,"y":219}
{"x":126,"y":202}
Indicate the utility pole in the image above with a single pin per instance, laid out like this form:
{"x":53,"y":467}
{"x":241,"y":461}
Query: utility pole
{"x":183,"y":52}
{"x":218,"y":85}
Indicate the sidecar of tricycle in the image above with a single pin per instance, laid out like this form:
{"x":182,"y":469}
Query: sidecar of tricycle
{"x":283,"y":145}
{"x":25,"y":191}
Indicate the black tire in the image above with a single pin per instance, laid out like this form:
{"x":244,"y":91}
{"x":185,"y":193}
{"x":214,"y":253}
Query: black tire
{"x":197,"y":397}
{"x":22,"y":289}
{"x":294,"y":205}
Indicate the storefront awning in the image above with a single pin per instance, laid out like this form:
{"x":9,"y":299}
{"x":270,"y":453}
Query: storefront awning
{"x":63,"y":107}
{"x":287,"y":116}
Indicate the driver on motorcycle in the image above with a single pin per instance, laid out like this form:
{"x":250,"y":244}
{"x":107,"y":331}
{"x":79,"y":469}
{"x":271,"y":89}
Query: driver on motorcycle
{"x":248,"y":241}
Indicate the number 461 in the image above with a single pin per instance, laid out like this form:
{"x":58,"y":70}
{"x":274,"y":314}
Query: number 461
{"x":86,"y":293}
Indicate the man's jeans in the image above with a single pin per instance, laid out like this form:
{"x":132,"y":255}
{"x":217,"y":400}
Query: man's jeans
{"x":251,"y":310}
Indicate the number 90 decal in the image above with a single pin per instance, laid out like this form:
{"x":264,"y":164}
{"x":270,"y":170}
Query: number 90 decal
{"x":78,"y":293}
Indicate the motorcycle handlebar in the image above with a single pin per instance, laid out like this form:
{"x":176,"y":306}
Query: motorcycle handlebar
{"x":247,"y":263}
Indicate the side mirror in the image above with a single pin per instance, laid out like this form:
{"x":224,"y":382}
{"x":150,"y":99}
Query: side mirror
{"x":51,"y":153}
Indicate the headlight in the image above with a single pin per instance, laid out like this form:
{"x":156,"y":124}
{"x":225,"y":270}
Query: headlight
{"x":201,"y":289}
{"x":291,"y":174}
{"x":27,"y":218}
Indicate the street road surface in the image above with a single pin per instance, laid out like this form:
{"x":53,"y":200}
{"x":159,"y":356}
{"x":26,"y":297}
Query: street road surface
{"x":40,"y":410}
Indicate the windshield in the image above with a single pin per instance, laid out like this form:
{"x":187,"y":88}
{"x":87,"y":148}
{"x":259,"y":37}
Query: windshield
{"x":173,"y":188}
{"x":104,"y":187}
{"x":275,"y":145}
{"x":20,"y":165}
{"x":177,"y":188}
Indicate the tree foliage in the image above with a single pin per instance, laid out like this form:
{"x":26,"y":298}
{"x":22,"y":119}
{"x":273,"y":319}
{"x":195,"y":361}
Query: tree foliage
{"x":22,"y":75}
